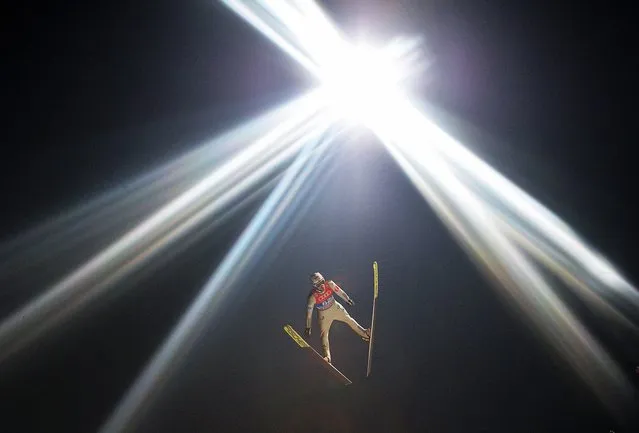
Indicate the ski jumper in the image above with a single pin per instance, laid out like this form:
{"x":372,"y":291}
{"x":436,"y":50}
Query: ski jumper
{"x":328,"y":310}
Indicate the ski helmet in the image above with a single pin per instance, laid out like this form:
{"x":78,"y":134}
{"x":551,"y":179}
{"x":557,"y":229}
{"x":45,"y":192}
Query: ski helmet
{"x":317,"y":279}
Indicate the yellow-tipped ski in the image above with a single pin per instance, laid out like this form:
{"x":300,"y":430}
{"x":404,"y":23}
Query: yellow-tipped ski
{"x":313,"y":353}
{"x":375,"y":281}
{"x":295,"y":336}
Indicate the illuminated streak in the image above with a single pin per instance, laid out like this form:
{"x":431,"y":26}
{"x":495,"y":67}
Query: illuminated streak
{"x":527,"y":208}
{"x":533,"y":226}
{"x":74,"y":291}
{"x":267,"y":29}
{"x":480,"y":233}
{"x":213,"y":220}
{"x":572,"y":274}
{"x":262,"y":228}
{"x":135,"y":199}
{"x":514,"y":204}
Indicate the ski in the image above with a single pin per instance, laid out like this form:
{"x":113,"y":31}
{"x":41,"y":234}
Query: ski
{"x":370,"y":341}
{"x":314,"y":354}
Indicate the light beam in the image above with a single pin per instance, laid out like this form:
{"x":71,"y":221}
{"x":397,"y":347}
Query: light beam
{"x":262,"y":228}
{"x":212,"y":193}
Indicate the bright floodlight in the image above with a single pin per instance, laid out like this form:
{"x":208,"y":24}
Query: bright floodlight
{"x":361,"y":83}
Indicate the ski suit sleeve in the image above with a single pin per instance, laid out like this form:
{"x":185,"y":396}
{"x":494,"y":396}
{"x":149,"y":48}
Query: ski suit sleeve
{"x":310,"y":303}
{"x":338,"y":290}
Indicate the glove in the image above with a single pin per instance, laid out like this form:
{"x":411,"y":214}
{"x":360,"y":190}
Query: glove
{"x":307,"y":332}
{"x":351,"y":302}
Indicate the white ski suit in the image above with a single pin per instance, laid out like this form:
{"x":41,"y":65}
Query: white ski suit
{"x":328,"y":310}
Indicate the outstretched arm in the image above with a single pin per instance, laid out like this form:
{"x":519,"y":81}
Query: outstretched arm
{"x":341,"y":293}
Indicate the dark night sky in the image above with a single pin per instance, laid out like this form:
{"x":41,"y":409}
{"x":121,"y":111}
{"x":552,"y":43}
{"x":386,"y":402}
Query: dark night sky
{"x":97,"y":93}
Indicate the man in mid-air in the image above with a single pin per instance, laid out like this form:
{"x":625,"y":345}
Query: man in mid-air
{"x":328,"y":309}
